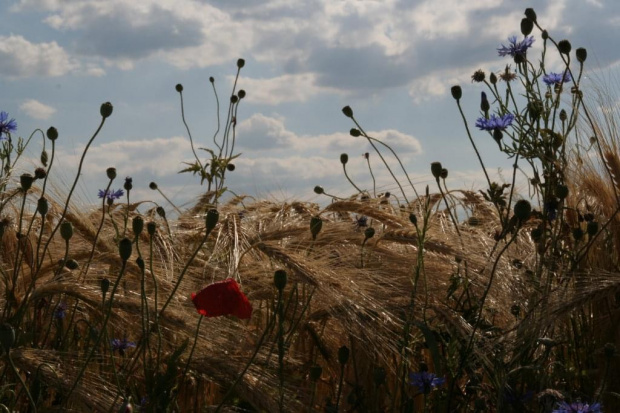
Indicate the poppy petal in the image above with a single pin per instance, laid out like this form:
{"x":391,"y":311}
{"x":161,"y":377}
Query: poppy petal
{"x":222,"y":298}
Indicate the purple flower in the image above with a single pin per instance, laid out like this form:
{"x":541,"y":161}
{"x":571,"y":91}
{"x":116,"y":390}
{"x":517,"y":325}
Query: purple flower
{"x":121,"y":345}
{"x":6,"y":126}
{"x":111,"y":195}
{"x":578,"y":407}
{"x":495,"y":122}
{"x":557,"y":78}
{"x":61,"y":311}
{"x":516,"y":48}
{"x":425,"y":381}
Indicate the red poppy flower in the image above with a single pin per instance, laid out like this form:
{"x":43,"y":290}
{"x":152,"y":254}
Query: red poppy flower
{"x":222,"y":298}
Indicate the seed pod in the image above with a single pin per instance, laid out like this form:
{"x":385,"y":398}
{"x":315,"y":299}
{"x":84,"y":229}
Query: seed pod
{"x":319,"y":190}
{"x":355,"y":132}
{"x":279,"y":279}
{"x":66,"y":230}
{"x":527,"y":26}
{"x":153,"y":186}
{"x":315,"y":373}
{"x":137,"y":225}
{"x":161,"y":212}
{"x":523,"y":210}
{"x":124,"y":249}
{"x":42,"y":206}
{"x":344,"y":158}
{"x":343,"y":355}
{"x":564,"y":46}
{"x":52,"y":133}
{"x":436,"y":169}
{"x":179,"y":87}
{"x":457,"y":92}
{"x":348,"y":112}
{"x":316,"y":223}
{"x":444,"y":173}
{"x":106,"y":110}
{"x":111,"y":173}
{"x":211,"y":219}
{"x":240,"y":63}
{"x":582,"y":54}
{"x":151,"y":227}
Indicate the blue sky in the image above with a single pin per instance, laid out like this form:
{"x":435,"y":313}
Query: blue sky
{"x":392,"y":61}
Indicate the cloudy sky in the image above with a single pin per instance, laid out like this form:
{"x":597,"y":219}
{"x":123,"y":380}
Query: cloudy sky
{"x":392,"y":61}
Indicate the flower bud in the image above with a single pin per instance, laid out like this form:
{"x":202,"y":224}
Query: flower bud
{"x":137,"y":225}
{"x":523,"y":210}
{"x":344,"y":158}
{"x":151,"y":227}
{"x":316,"y":223}
{"x":493,"y":78}
{"x":128,"y":185}
{"x":457,"y":92}
{"x":544,"y":35}
{"x":211,"y":79}
{"x":530,"y":14}
{"x":563,"y":115}
{"x":153,"y":186}
{"x":179,"y":87}
{"x":413,"y":219}
{"x":355,"y":132}
{"x":577,"y":233}
{"x":111,"y":173}
{"x":348,"y":112}
{"x":536,"y":234}
{"x":369,"y":233}
{"x":40,"y":173}
{"x":319,"y":190}
{"x":279,"y":279}
{"x":230,"y":167}
{"x":42,"y":206}
{"x":161,"y":212}
{"x":66,"y":230}
{"x":527,"y":26}
{"x":241,"y":94}
{"x":211,"y":219}
{"x":484,"y":103}
{"x":564,"y":46}
{"x":444,"y":173}
{"x":497,"y":135}
{"x":582,"y":54}
{"x":343,"y":355}
{"x":44,"y":157}
{"x":52,"y":133}
{"x":26,"y":180}
{"x":106,"y":110}
{"x":124,"y":249}
{"x":436,"y":169}
{"x":234,"y":99}
{"x":240,"y":63}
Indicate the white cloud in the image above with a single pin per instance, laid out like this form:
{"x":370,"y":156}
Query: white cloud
{"x":37,"y":110}
{"x":21,"y":58}
{"x":281,"y":89}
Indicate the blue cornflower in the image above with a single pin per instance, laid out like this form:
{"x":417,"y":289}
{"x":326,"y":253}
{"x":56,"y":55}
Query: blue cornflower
{"x":425,"y":381}
{"x":121,"y":345}
{"x":6,"y":126}
{"x":61,"y":311}
{"x":578,"y":407}
{"x":516,"y":48}
{"x":556,"y":78}
{"x":495,"y":122}
{"x":111,"y":195}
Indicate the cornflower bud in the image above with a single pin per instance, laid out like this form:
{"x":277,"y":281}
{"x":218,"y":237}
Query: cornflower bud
{"x":279,"y":279}
{"x":436,"y":169}
{"x":523,"y":209}
{"x":240,"y":63}
{"x":66,"y":230}
{"x":26,"y":180}
{"x":348,"y":112}
{"x":564,"y":46}
{"x":179,"y":87}
{"x":582,"y":54}
{"x":355,"y":132}
{"x":124,"y":249}
{"x":530,"y":14}
{"x":344,"y":158}
{"x":111,"y":173}
{"x":319,"y":190}
{"x":527,"y":26}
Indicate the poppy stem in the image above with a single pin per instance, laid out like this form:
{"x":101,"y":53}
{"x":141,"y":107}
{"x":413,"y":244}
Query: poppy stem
{"x":191,"y":353}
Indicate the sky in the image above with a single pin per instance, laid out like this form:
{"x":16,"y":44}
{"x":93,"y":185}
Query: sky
{"x":392,"y":61}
